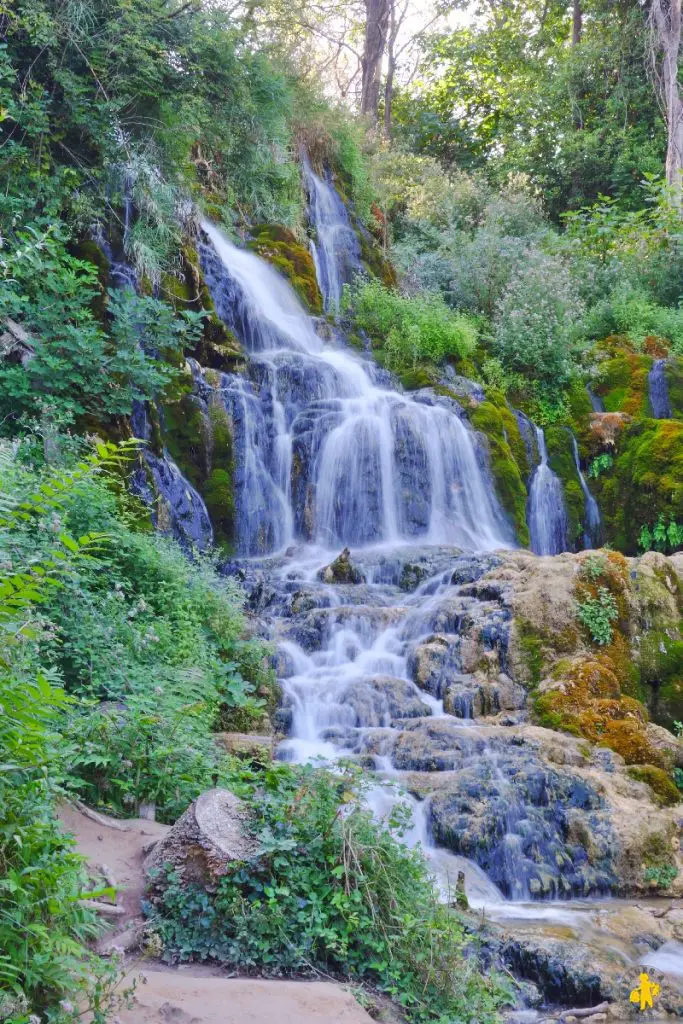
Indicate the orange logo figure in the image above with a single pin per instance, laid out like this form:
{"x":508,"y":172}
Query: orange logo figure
{"x":645,"y":992}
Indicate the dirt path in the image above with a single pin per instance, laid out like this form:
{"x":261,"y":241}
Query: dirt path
{"x":191,"y":994}
{"x":188,"y":996}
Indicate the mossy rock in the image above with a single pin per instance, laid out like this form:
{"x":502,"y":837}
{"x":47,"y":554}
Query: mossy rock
{"x":283,"y":250}
{"x":645,"y":481}
{"x":674,"y":379}
{"x":89,"y":251}
{"x":580,"y":412}
{"x":203,"y":449}
{"x":375,"y":261}
{"x":502,"y":433}
{"x":665,"y":791}
{"x":623,"y":382}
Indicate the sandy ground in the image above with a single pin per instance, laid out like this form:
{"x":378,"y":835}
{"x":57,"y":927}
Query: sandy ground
{"x":186,"y":997}
{"x":192,"y":994}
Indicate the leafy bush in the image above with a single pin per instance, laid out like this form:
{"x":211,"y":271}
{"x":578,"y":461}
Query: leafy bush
{"x":600,"y":464}
{"x":633,"y":313}
{"x":665,"y":536}
{"x":331,"y":891}
{"x":78,"y":367}
{"x":597,"y":614}
{"x":407,"y":328}
{"x":538,"y":322}
{"x":44,"y":927}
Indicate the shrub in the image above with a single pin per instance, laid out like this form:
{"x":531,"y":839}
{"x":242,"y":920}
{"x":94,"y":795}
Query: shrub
{"x":410,"y":329}
{"x":331,"y":891}
{"x":666,"y":535}
{"x":597,"y":614}
{"x":538,"y":321}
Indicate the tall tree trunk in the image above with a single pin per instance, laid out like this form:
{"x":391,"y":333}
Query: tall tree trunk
{"x":577,"y":23}
{"x":391,"y":68}
{"x":665,"y":18}
{"x":376,"y":28}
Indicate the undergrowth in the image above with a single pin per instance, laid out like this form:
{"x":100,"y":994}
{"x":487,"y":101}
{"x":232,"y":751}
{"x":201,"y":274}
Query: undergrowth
{"x":330,"y":892}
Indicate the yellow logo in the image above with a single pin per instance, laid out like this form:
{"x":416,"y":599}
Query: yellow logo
{"x":645,"y":992}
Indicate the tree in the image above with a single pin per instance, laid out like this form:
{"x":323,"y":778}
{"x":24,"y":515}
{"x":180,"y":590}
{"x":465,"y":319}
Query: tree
{"x":665,"y":21}
{"x":377,"y":16}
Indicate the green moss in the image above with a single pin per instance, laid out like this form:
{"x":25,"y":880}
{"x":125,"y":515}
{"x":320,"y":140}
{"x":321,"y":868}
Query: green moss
{"x":674,"y":379}
{"x":375,"y":261}
{"x":292,"y":258}
{"x":645,"y":481}
{"x":666,"y":792}
{"x":203,"y":449}
{"x":580,"y":412}
{"x":531,"y":647}
{"x":420,"y":376}
{"x":622,"y":384}
{"x":92,"y":253}
{"x":489,"y":419}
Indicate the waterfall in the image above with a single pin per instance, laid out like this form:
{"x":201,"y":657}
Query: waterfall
{"x":331,"y":457}
{"x":335,"y":248}
{"x":597,"y":404}
{"x":592,"y":521}
{"x":658,"y":389}
{"x":546,"y":513}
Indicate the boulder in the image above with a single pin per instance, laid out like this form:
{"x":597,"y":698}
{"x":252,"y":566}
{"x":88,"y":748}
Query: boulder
{"x":206,"y":840}
{"x":341,"y":570}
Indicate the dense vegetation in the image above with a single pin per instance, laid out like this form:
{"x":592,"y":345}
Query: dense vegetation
{"x":517,"y":230}
{"x":331,"y":892}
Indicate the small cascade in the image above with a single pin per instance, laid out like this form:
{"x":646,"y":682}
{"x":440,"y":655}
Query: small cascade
{"x":597,"y":404}
{"x":658,"y":390}
{"x":592,"y":521}
{"x":546,"y":513}
{"x":335,"y":248}
{"x":352,"y":461}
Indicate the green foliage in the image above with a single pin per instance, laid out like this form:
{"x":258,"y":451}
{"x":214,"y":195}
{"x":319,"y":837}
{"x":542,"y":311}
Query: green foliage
{"x":597,"y":614}
{"x":331,"y":891}
{"x":78,"y":367}
{"x":409,"y":329}
{"x":538,"y":322}
{"x":600,"y":464}
{"x":662,"y":876}
{"x":665,"y":536}
{"x":43,"y":926}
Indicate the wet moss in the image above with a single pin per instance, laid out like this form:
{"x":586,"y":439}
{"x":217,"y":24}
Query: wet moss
{"x":203,"y":449}
{"x":666,"y":792}
{"x":622,"y":383}
{"x":91,"y":252}
{"x":374,"y":260}
{"x":497,"y":426}
{"x":674,"y":380}
{"x":283,"y":250}
{"x":645,"y":481}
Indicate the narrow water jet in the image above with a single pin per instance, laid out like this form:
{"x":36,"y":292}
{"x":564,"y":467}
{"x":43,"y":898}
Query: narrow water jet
{"x":658,"y":391}
{"x":546,"y":512}
{"x":592,"y":521}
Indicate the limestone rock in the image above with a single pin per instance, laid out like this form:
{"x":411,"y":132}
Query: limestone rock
{"x":211,"y":835}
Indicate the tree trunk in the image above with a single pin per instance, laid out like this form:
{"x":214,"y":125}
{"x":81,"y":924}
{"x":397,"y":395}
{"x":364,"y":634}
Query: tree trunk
{"x":665,"y":18}
{"x":577,"y":23}
{"x":205,"y":841}
{"x":376,"y":28}
{"x":394,"y":25}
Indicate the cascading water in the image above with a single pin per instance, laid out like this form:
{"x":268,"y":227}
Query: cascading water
{"x":592,"y":521}
{"x":380,"y":668}
{"x":658,"y":389}
{"x":597,"y":404}
{"x":546,"y":513}
{"x":335,"y":248}
{"x":354,"y":462}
